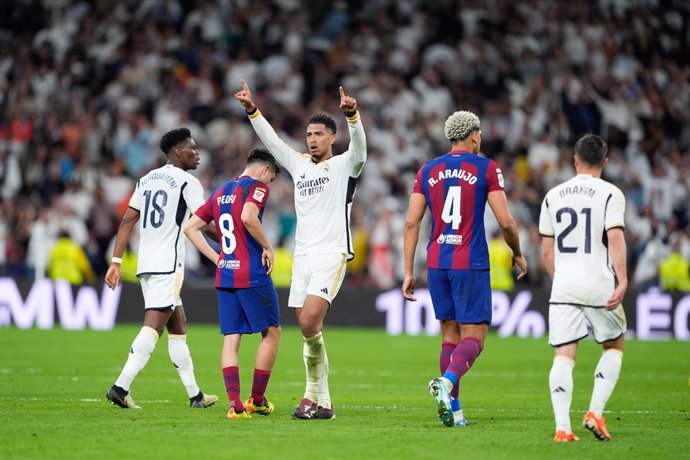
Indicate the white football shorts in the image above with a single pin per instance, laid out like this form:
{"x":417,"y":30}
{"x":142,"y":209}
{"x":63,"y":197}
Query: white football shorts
{"x":162,"y":291}
{"x":316,"y":274}
{"x":567,"y":323}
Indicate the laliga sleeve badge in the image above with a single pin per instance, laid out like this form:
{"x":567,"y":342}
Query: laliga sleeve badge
{"x":259,"y":194}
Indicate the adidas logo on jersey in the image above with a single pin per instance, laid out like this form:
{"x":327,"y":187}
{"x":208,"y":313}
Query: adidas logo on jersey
{"x":324,"y":290}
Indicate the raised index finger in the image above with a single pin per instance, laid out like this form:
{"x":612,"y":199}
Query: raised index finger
{"x":244,"y":85}
{"x":342,"y":91}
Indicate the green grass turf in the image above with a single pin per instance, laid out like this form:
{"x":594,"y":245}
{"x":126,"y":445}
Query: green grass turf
{"x":53,"y":383}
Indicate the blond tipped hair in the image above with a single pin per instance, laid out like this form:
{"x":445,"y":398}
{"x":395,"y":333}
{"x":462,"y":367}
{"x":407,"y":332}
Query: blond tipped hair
{"x":460,"y":125}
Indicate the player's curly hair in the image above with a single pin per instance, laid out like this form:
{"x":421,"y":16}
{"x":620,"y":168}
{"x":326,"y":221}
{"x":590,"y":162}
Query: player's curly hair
{"x":322,"y":119}
{"x":460,"y":125}
{"x":174,"y":137}
{"x":265,"y":157}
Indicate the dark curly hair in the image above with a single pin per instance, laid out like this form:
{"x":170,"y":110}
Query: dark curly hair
{"x":322,"y":119}
{"x":174,"y":137}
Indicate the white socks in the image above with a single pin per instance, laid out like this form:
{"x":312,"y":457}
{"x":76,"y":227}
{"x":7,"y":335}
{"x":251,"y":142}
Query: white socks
{"x":314,"y":354}
{"x":561,"y":386}
{"x":605,"y":378}
{"x":182,"y":360}
{"x":324,"y":394}
{"x":139,"y":354}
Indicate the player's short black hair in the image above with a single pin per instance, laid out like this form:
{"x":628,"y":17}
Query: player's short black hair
{"x":591,"y":149}
{"x":263,"y":156}
{"x":174,"y":137}
{"x":322,"y":119}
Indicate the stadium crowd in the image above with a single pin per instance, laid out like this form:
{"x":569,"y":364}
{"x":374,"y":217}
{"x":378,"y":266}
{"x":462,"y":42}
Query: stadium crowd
{"x":88,"y":87}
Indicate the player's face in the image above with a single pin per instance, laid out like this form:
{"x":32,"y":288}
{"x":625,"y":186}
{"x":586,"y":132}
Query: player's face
{"x":320,"y":142}
{"x":188,"y":154}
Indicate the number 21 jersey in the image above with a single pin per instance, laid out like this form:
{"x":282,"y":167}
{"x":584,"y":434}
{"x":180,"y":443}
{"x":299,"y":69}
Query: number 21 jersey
{"x":165,"y":198}
{"x":577,"y":214}
{"x":456,"y":186}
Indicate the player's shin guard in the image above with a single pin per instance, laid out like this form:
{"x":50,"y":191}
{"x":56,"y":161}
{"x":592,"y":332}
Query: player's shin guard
{"x":182,"y":360}
{"x":139,"y":354}
{"x":561,"y":386}
{"x":314,"y":352}
{"x":605,"y":378}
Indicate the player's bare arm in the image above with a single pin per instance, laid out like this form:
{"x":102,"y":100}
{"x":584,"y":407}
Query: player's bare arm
{"x":250,"y":219}
{"x":193,"y":232}
{"x":130,"y":219}
{"x":499,"y":205}
{"x":415,"y":212}
{"x":547,"y":255}
{"x":617,"y":248}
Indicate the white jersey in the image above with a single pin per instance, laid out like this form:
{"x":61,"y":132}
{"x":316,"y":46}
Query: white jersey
{"x":165,"y":198}
{"x":577,"y":214}
{"x":323,"y":191}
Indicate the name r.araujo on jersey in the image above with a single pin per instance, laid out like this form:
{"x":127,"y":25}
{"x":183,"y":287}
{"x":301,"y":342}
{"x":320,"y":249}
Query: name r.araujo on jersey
{"x":453,"y":174}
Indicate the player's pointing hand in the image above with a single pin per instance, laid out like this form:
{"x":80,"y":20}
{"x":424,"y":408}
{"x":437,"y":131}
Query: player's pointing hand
{"x":348,"y":104}
{"x":245,"y":97}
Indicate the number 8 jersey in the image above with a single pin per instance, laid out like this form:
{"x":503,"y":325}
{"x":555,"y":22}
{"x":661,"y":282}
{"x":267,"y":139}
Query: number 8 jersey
{"x":577,"y":214}
{"x":240,"y":264}
{"x":456,"y":186}
{"x":165,"y":198}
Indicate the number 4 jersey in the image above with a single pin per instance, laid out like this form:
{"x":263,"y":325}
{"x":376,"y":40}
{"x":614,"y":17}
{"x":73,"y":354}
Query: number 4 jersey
{"x":165,"y":198}
{"x":577,"y":214}
{"x":456,"y":186}
{"x":240,"y":262}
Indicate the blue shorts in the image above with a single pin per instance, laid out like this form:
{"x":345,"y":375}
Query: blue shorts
{"x":461,"y":295}
{"x":248,"y":310}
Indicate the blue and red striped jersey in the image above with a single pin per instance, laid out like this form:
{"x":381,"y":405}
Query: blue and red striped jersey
{"x":239,"y":265}
{"x":456,"y":186}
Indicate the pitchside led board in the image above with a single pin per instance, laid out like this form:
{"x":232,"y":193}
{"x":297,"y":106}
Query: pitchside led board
{"x":44,"y":304}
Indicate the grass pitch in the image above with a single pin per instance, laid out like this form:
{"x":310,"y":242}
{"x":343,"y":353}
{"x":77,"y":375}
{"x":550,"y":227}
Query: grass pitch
{"x":52,"y":403}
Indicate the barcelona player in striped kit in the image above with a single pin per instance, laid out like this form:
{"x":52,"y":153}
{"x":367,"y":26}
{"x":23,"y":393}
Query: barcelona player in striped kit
{"x":456,"y":187}
{"x":247,"y":299}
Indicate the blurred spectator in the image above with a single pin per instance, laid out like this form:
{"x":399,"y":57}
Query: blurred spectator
{"x":69,"y":262}
{"x":501,"y":260}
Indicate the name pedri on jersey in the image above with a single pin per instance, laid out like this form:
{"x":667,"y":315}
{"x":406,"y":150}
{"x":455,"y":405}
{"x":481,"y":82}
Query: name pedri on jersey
{"x":577,"y":214}
{"x":240,"y":263}
{"x":165,"y":198}
{"x":456,"y":186}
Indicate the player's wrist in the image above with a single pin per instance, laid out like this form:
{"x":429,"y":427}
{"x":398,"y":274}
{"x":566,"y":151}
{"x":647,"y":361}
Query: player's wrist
{"x":251,"y":110}
{"x":351,"y":116}
{"x":116,"y":260}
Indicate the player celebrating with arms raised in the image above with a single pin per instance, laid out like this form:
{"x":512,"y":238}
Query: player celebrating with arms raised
{"x":456,"y":187}
{"x":324,"y":189}
{"x":584,"y":253}
{"x":247,"y":299}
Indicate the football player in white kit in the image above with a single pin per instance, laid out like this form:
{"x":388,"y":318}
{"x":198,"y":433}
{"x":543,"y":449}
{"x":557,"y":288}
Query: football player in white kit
{"x":324,"y":189}
{"x":161,"y":204}
{"x":584,"y":253}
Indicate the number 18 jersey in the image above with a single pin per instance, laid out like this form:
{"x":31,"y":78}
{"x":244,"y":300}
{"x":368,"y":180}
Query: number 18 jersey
{"x":456,"y":186}
{"x":240,"y":264}
{"x":577,"y":214}
{"x":165,"y":198}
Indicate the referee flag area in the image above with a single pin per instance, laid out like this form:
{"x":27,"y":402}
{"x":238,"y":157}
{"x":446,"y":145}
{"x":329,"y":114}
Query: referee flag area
{"x":54,"y":382}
